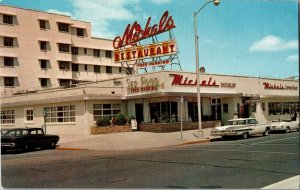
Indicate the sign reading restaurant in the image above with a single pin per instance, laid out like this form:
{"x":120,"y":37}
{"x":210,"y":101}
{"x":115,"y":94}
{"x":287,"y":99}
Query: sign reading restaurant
{"x":128,"y":49}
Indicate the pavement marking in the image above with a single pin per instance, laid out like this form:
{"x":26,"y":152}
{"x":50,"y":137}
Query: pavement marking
{"x":272,"y":140}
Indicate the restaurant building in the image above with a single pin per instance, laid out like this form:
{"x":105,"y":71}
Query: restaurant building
{"x":152,"y":98}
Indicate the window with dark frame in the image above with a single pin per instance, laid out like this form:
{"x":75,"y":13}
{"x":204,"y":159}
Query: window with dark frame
{"x":108,"y":69}
{"x":96,"y":68}
{"x":8,"y":61}
{"x":43,"y":45}
{"x":75,"y":67}
{"x":85,"y":67}
{"x":225,"y":108}
{"x":96,"y":52}
{"x":8,"y":41}
{"x":7,"y":19}
{"x":85,"y":51}
{"x":63,"y":27}
{"x":74,"y":50}
{"x":9,"y":81}
{"x":108,"y":54}
{"x":80,"y":32}
{"x":43,"y":63}
{"x":120,"y":69}
{"x":64,"y":65}
{"x":44,"y":82}
{"x":42,"y":24}
{"x":63,"y":47}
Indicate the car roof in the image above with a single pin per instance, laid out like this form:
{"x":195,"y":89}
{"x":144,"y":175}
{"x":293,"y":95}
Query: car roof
{"x":19,"y":128}
{"x":240,"y":119}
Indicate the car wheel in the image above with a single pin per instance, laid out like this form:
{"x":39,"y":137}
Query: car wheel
{"x":245,"y":135}
{"x":266,"y":132}
{"x":53,"y":145}
{"x":287,"y":130}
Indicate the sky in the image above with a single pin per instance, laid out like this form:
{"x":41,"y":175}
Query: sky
{"x":239,"y":37}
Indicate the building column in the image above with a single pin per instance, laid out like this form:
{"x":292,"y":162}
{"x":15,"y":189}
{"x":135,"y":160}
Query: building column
{"x":146,"y":110}
{"x":131,"y":108}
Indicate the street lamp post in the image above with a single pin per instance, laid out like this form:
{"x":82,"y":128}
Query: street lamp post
{"x":216,"y":3}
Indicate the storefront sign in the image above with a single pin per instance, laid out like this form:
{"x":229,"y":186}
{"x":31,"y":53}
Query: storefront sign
{"x":153,"y":63}
{"x":185,"y":81}
{"x":135,"y":32}
{"x":275,"y":86}
{"x":147,"y":51}
{"x":144,"y":85}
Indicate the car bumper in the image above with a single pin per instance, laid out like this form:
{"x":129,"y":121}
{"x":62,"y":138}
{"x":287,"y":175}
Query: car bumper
{"x":225,"y":133}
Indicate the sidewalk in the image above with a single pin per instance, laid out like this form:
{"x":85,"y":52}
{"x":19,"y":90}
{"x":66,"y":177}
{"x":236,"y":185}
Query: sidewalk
{"x":131,"y":140}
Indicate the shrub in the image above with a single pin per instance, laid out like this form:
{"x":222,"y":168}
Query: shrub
{"x":121,"y":119}
{"x":105,"y":121}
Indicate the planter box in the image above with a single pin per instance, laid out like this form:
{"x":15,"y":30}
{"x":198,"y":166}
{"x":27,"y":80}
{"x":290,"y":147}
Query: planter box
{"x":110,"y":129}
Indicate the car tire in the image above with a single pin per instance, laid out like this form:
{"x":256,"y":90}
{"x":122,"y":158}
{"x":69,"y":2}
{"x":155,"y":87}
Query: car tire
{"x":52,"y":145}
{"x":287,"y":130}
{"x":245,"y":135}
{"x":266,"y":132}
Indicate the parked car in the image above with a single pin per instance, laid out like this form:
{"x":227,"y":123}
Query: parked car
{"x":26,"y":139}
{"x":285,"y":125}
{"x":241,"y":127}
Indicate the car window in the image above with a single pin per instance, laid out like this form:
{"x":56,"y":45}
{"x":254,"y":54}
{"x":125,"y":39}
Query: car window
{"x":33,"y":132}
{"x":25,"y":132}
{"x":10,"y":133}
{"x":18,"y":133}
{"x":252,"y":121}
{"x":39,"y":132}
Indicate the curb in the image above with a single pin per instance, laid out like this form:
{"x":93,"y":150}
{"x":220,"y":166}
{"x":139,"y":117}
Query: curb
{"x":65,"y":148}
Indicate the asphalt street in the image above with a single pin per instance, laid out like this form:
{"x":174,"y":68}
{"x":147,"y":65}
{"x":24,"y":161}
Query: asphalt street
{"x":232,"y":163}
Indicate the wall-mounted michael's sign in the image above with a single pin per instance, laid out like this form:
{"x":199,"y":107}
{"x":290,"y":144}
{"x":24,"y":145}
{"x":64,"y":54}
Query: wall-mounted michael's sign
{"x":275,"y":86}
{"x":134,"y":33}
{"x":144,"y":52}
{"x":180,"y":80}
{"x":144,"y":85}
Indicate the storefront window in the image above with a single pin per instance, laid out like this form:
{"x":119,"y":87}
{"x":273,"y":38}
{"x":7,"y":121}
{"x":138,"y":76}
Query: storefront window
{"x":281,"y":108}
{"x":7,"y":117}
{"x":163,"y":112}
{"x":102,"y":110}
{"x":60,"y":114}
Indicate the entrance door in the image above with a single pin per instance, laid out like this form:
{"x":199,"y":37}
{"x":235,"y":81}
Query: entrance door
{"x":139,"y":113}
{"x":216,"y":112}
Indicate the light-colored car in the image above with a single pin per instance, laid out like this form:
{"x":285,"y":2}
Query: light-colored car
{"x":285,"y":125}
{"x":243,"y":127}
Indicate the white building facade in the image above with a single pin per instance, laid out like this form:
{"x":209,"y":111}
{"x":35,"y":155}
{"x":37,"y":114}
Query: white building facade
{"x":152,"y":98}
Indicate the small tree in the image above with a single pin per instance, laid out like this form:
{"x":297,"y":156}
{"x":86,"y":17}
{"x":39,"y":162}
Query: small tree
{"x":105,"y":121}
{"x":121,"y":119}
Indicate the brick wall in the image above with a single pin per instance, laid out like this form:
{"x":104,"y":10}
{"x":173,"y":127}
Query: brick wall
{"x":110,"y":129}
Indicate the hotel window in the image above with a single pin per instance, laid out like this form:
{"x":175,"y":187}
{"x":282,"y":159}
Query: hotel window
{"x":63,"y":47}
{"x":120,"y":69}
{"x":75,"y":67}
{"x":80,"y":32}
{"x":96,"y":53}
{"x":74,"y":50}
{"x":44,"y":82}
{"x":96,"y":68}
{"x":64,"y":65}
{"x":60,"y":114}
{"x":109,"y":110}
{"x":9,"y":81}
{"x":42,"y":24}
{"x":29,"y":115}
{"x":63,"y":27}
{"x":8,"y":41}
{"x":8,"y":61}
{"x":108,"y":54}
{"x":7,"y":19}
{"x":7,"y":117}
{"x":108,"y":69}
{"x":43,"y":63}
{"x":85,"y":51}
{"x":43,"y":45}
{"x":85,"y":67}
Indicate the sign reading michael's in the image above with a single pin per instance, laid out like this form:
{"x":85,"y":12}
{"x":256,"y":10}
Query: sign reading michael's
{"x":128,"y":47}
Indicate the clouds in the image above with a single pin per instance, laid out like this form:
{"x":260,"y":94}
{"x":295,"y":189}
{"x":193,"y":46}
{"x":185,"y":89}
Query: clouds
{"x":159,"y":2}
{"x":273,"y":44}
{"x":58,"y":12}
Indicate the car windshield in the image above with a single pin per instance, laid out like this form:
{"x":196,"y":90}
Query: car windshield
{"x":3,"y":131}
{"x":236,"y":122}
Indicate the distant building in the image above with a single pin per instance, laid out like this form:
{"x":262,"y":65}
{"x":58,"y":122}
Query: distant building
{"x":40,"y":50}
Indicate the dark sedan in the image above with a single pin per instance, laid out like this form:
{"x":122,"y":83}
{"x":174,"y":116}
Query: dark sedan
{"x":26,"y":139}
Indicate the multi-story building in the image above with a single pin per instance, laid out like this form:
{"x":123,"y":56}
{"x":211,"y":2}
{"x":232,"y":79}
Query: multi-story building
{"x":40,"y":50}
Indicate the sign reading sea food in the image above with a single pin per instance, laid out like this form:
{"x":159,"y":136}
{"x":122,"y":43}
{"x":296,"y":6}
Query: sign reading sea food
{"x":127,"y":49}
